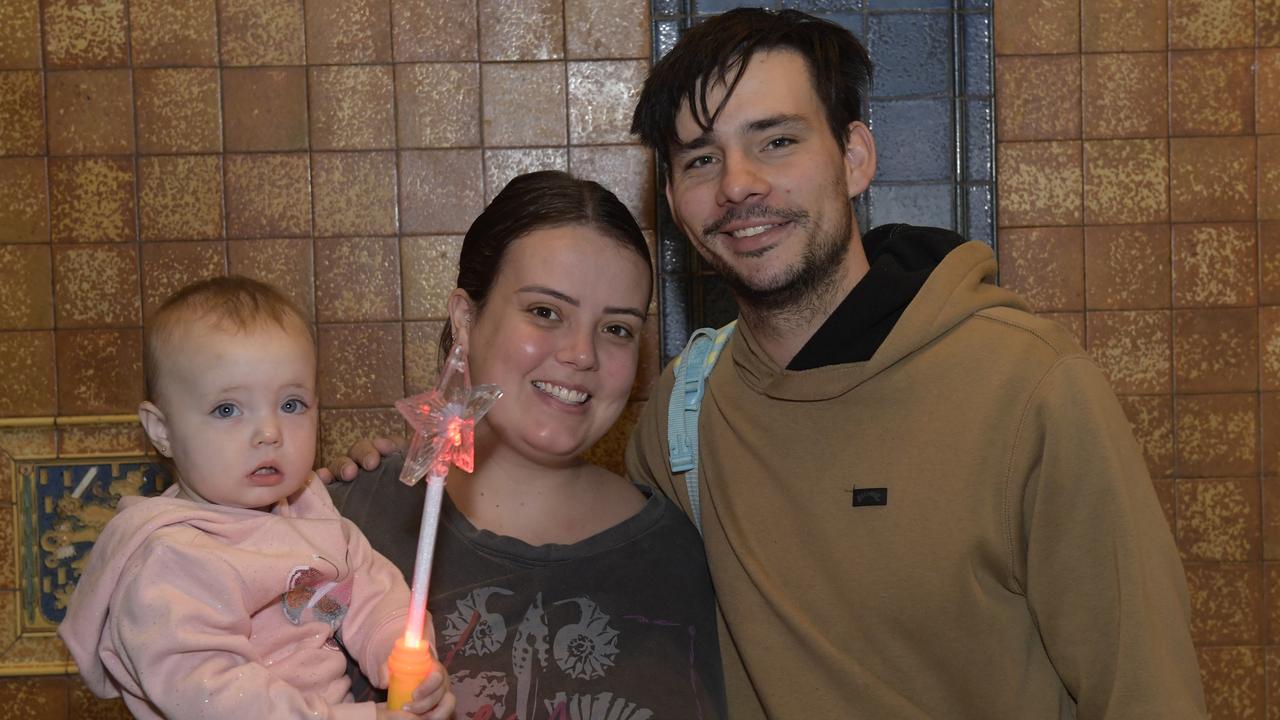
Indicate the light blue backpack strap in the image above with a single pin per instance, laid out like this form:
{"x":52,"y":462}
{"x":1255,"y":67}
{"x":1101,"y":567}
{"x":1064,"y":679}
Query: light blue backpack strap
{"x":692,"y":368}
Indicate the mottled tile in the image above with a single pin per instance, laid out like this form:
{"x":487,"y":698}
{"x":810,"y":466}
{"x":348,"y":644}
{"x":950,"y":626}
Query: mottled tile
{"x":348,"y":31}
{"x":24,"y":200}
{"x":179,"y":110}
{"x":521,"y":29}
{"x":1215,"y":350}
{"x":503,"y":165}
{"x":265,"y":108}
{"x":96,"y":285}
{"x":21,"y":113}
{"x":1219,"y":519}
{"x":1226,"y":603}
{"x":353,"y":377}
{"x":1133,"y":348}
{"x":1211,"y":92}
{"x":27,"y":374}
{"x":1214,"y":265}
{"x":262,"y":32}
{"x":34,"y":698}
{"x":268,"y":195}
{"x":20,"y":35}
{"x":438,"y":104}
{"x":1272,"y":675}
{"x":1268,"y":109}
{"x":91,"y":199}
{"x":609,"y":450}
{"x":1126,"y":95}
{"x":602,"y":96}
{"x":1151,"y":417}
{"x":441,"y":191}
{"x":1045,"y":266}
{"x":435,"y":30}
{"x":1267,"y":19}
{"x":523,"y":104}
{"x":1126,"y":267}
{"x":169,"y":267}
{"x":285,"y":263}
{"x":1269,"y":245}
{"x":100,"y":439}
{"x":1216,"y":435}
{"x":340,"y":429}
{"x":1269,"y":403}
{"x":1211,"y":179}
{"x":173,"y":32}
{"x":606,"y":29}
{"x":1268,"y":177}
{"x":79,"y":34}
{"x":85,"y":705}
{"x":1210,"y":23}
{"x":1072,"y":322}
{"x":90,"y":112}
{"x":1233,"y":680}
{"x":357,"y":279}
{"x":627,"y":170}
{"x":1039,"y":97}
{"x":1040,"y":184}
{"x":1269,"y":347}
{"x":1271,"y":538}
{"x":354,"y":193}
{"x":180,"y":197}
{"x":1124,"y":25}
{"x":99,"y":371}
{"x":352,"y":107}
{"x":1126,"y":181}
{"x":421,"y":355}
{"x":1037,"y":27}
{"x":26,"y":295}
{"x":429,"y":268}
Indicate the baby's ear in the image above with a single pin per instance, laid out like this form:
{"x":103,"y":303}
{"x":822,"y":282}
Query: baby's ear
{"x":153,"y":422}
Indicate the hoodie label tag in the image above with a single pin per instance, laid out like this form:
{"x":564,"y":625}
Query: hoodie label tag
{"x":870,"y":497}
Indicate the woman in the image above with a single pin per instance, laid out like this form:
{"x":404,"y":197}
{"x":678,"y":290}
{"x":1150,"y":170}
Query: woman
{"x":559,"y":589}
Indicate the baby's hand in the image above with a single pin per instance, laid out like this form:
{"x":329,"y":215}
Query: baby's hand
{"x":431,"y":700}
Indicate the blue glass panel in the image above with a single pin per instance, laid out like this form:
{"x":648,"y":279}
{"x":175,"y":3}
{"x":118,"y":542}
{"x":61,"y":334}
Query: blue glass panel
{"x":909,"y":4}
{"x":980,"y":211}
{"x":914,"y":139}
{"x":716,"y":6}
{"x":823,"y":6}
{"x":976,"y":4}
{"x":977,"y":54}
{"x":912,"y":53}
{"x":673,"y":308}
{"x":666,"y":7}
{"x":916,"y":204}
{"x":854,"y":22}
{"x":665,"y":35}
{"x":977,"y":144}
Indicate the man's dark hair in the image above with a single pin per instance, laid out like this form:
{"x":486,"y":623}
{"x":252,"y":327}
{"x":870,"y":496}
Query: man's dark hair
{"x":718,"y":51}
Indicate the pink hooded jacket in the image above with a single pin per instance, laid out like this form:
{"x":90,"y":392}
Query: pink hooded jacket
{"x":191,"y":610}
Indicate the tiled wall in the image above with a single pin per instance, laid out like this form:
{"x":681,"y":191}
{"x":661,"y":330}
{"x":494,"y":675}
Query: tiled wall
{"x":1139,"y":203}
{"x":338,"y":148}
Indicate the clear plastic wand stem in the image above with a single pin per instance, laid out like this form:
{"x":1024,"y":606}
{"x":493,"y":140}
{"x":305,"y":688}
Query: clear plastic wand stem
{"x":422,"y":563}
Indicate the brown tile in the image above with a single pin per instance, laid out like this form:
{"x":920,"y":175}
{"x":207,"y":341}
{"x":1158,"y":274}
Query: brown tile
{"x":262,"y":32}
{"x":1269,"y":245}
{"x":91,"y":199}
{"x":354,"y":193}
{"x":20,"y":35}
{"x":1233,"y":680}
{"x":1040,"y":184}
{"x":1214,"y":265}
{"x":180,"y":197}
{"x":429,"y":269}
{"x":1216,"y":435}
{"x":268,"y":195}
{"x":96,"y":285}
{"x":99,"y":371}
{"x":1151,"y":417}
{"x":1167,"y":496}
{"x":502,"y":165}
{"x":441,"y":191}
{"x":1269,"y":177}
{"x":609,"y":450}
{"x":21,"y":113}
{"x":90,"y":112}
{"x":1272,"y":674}
{"x":1124,"y":25}
{"x":173,"y":32}
{"x":348,"y":31}
{"x":1215,"y":350}
{"x":1045,"y":266}
{"x":26,"y":374}
{"x":1226,"y":603}
{"x":625,"y":169}
{"x":35,"y":698}
{"x":606,"y":29}
{"x":102,"y":439}
{"x":179,"y":110}
{"x":521,"y":29}
{"x":1211,"y":179}
{"x":169,"y":267}
{"x":85,"y":34}
{"x":1126,"y":267}
{"x":602,"y":96}
{"x":524,"y":104}
{"x":1270,"y":409}
{"x":352,"y":107}
{"x":285,"y":263}
{"x":1219,"y":519}
{"x":438,"y":104}
{"x":1040,"y":97}
{"x":357,"y":279}
{"x":1268,"y":111}
{"x":421,"y":355}
{"x":1271,"y":595}
{"x":1126,"y":95}
{"x":1210,"y":23}
{"x":1269,"y":347}
{"x":265,"y":108}
{"x":1211,"y":92}
{"x":1126,"y":181}
{"x":26,"y":296}
{"x":1133,"y":348}
{"x":24,"y":200}
{"x":85,"y":705}
{"x":1267,"y":18}
{"x":1037,"y":27}
{"x":435,"y":30}
{"x":353,"y":377}
{"x":1072,"y":322}
{"x":1271,"y":534}
{"x":340,"y":429}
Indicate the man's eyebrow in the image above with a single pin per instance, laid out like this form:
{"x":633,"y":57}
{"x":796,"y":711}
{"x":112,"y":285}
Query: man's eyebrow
{"x":755,"y":126}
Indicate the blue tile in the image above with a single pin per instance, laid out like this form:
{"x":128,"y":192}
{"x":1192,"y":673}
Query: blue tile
{"x":718,"y":6}
{"x":823,"y":6}
{"x":909,"y":4}
{"x":666,"y":7}
{"x":673,"y":308}
{"x":912,"y":54}
{"x":914,"y":139}
{"x":980,"y":210}
{"x":977,"y":4}
{"x":931,"y":205}
{"x":977,"y":144}
{"x":977,"y":53}
{"x":665,"y":35}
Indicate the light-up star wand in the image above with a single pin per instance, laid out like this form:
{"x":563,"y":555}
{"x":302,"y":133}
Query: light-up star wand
{"x":444,"y":419}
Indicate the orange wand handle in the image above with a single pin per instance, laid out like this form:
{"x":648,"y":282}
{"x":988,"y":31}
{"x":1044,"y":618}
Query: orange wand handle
{"x":409,"y":666}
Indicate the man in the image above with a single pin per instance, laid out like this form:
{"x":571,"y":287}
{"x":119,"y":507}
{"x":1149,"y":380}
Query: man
{"x":917,"y":499}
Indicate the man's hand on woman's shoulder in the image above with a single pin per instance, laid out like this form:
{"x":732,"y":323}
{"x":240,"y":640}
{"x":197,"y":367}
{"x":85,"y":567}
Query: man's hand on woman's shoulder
{"x":365,"y":454}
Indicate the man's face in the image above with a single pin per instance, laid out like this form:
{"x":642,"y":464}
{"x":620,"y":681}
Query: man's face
{"x":764,"y":195}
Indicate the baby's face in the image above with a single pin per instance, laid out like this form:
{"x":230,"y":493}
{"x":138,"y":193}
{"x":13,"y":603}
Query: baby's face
{"x":240,"y":409}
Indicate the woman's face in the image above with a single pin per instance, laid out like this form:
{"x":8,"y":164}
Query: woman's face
{"x":560,"y":334}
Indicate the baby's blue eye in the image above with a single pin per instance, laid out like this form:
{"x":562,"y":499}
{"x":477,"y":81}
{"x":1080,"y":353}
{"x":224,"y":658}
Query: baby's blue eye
{"x":293,"y":406}
{"x":225,"y":410}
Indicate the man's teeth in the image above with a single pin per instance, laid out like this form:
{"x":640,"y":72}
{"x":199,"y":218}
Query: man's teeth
{"x":563,"y":394}
{"x":751,"y":231}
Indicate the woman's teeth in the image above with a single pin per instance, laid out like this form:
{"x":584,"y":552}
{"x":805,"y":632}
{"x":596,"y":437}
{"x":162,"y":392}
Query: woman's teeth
{"x":563,"y":394}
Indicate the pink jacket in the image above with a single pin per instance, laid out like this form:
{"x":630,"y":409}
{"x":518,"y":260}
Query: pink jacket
{"x":191,"y":610}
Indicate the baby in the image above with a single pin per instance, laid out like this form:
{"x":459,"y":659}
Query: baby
{"x":227,"y":596}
